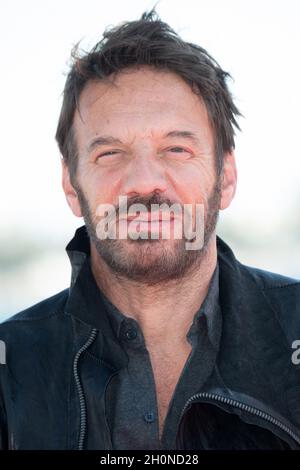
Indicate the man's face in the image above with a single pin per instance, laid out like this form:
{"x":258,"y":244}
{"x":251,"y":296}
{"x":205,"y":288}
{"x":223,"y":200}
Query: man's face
{"x":147,"y":136}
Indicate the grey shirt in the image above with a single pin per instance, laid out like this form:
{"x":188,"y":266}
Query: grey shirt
{"x":131,"y":404}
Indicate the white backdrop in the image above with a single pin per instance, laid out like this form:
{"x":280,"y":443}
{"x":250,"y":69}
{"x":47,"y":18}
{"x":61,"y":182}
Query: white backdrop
{"x":257,"y":41}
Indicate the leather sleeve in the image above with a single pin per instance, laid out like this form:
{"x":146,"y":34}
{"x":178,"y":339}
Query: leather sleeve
{"x":3,"y":418}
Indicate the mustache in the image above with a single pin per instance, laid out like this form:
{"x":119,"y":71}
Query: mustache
{"x":147,"y":201}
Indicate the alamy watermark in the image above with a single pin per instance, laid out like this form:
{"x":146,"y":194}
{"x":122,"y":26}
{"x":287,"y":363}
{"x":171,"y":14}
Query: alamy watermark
{"x":2,"y":352}
{"x":163,"y":221}
{"x":296,"y":354}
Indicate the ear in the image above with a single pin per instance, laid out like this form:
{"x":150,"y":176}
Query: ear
{"x":229,"y":180}
{"x":70,"y":192}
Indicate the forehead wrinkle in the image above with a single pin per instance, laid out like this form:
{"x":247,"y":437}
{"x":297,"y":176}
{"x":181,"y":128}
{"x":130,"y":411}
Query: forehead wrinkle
{"x":87,"y":98}
{"x":89,"y":112}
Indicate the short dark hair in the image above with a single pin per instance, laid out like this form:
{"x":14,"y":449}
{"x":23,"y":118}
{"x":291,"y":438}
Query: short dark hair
{"x":149,"y":41}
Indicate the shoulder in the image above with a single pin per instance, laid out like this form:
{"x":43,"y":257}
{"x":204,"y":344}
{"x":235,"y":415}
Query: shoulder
{"x":30,"y":337}
{"x":43,"y":310}
{"x":268,"y":280}
{"x":282,"y":294}
{"x":260,"y":287}
{"x":265,"y":280}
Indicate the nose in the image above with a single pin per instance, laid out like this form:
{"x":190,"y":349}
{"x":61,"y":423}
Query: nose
{"x":144,"y":175}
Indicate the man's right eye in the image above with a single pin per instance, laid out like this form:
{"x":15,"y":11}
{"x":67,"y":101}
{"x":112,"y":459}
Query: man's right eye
{"x":110,"y":152}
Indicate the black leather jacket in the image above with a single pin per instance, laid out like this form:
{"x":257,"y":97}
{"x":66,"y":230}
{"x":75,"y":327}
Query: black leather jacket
{"x":53,"y":384}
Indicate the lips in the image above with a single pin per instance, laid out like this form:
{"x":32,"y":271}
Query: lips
{"x":150,"y":217}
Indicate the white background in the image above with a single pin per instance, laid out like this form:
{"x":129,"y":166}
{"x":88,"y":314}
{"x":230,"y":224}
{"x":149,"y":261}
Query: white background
{"x":257,"y":41}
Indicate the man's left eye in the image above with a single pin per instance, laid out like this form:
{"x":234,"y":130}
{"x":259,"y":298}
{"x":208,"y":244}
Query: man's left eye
{"x":177,"y":149}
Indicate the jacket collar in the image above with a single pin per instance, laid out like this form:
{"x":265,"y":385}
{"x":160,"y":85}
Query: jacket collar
{"x":253,"y":345}
{"x":230,"y":275}
{"x":78,"y":249}
{"x":253,"y":360}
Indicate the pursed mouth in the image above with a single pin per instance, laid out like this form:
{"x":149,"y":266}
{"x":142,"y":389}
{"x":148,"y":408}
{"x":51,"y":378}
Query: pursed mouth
{"x":149,"y":217}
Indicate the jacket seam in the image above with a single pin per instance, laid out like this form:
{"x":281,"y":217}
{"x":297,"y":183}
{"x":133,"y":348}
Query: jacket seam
{"x":275,"y":313}
{"x":281,"y":286}
{"x":100,"y":361}
{"x":27,"y":320}
{"x":59,"y":311}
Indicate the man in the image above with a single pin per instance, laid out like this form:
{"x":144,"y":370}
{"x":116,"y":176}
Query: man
{"x":158,"y":343}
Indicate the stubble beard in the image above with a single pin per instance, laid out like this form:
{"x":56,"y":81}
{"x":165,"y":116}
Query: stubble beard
{"x":151,"y":261}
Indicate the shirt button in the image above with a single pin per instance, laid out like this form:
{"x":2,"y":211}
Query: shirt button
{"x":149,"y":417}
{"x":131,"y":334}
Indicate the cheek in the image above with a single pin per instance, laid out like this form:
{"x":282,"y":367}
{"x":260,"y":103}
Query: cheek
{"x":100,"y":187}
{"x":194,"y":184}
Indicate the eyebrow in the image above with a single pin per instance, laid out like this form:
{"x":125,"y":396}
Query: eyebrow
{"x":185,"y":134}
{"x":109,"y":139}
{"x":103,"y":140}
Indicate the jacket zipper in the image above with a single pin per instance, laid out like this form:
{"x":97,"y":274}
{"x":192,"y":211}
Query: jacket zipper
{"x":244,"y":407}
{"x":82,"y":404}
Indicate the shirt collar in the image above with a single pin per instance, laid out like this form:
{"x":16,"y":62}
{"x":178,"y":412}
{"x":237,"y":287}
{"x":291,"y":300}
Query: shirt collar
{"x":209,"y":309}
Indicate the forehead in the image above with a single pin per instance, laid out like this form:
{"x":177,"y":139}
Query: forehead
{"x":138,"y":99}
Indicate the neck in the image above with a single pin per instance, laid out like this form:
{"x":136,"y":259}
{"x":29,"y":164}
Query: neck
{"x":156,"y":308}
